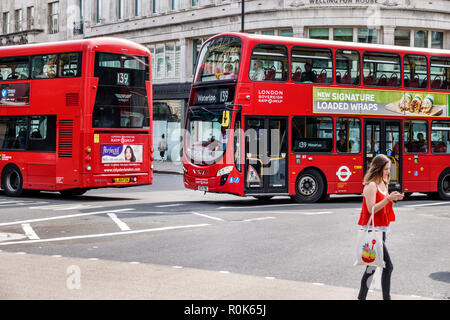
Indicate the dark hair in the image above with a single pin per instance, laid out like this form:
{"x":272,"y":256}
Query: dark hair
{"x":375,"y":170}
{"x":133,"y":158}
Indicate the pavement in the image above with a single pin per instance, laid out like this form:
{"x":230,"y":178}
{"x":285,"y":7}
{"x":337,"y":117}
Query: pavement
{"x":167,"y":167}
{"x":39,"y":277}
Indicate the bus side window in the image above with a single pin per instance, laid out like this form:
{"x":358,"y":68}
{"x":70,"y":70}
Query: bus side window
{"x":382,"y":69}
{"x":311,"y":65}
{"x":415,"y":71}
{"x":14,"y":68}
{"x":347,"y":67}
{"x":440,"y":73}
{"x":268,"y":63}
{"x":416,"y":137}
{"x":348,"y":135}
{"x":68,"y":64}
{"x":312,"y":134}
{"x":440,"y":137}
{"x":44,"y":66}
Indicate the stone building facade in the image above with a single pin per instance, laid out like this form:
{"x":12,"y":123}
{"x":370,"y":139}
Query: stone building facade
{"x":175,"y":29}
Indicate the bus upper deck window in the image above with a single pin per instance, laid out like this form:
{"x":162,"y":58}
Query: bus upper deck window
{"x":440,"y":73}
{"x":14,"y":68}
{"x":268,"y":63}
{"x":415,"y":71}
{"x":347,"y":67}
{"x":44,"y":66}
{"x":312,"y":65}
{"x":382,"y":69}
{"x":68,"y":65}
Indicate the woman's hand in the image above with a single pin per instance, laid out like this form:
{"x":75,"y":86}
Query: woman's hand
{"x":395,"y":196}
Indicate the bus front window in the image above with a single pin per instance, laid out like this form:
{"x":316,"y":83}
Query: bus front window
{"x":208,"y":133}
{"x":219,"y":60}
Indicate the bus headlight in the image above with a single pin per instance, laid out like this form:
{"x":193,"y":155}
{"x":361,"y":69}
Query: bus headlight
{"x":225,"y":170}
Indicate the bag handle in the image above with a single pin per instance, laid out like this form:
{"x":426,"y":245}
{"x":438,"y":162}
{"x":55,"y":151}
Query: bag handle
{"x":372,"y":218}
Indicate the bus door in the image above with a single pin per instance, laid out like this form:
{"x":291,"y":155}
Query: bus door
{"x":266,"y":146}
{"x":384,"y":136}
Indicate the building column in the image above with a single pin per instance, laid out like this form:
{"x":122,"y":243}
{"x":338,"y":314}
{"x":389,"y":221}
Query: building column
{"x":389,"y":35}
{"x":299,"y":32}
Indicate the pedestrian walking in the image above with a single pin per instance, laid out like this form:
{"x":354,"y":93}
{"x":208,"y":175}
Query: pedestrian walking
{"x":377,"y":196}
{"x":162,"y":147}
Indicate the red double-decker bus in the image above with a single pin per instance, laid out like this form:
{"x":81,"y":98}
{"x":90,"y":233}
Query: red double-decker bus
{"x":75,"y":115}
{"x":275,"y":116}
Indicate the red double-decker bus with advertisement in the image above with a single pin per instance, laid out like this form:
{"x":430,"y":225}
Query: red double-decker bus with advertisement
{"x":272,"y":116}
{"x":75,"y":115}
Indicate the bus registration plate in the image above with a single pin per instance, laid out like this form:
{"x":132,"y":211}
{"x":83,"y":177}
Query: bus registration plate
{"x":121,"y":180}
{"x":202,"y":188}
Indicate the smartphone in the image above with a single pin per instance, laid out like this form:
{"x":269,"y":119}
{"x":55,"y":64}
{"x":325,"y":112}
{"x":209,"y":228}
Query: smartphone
{"x":404,"y":191}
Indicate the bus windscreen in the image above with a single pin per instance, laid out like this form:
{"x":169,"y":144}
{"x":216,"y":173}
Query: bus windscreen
{"x":121,"y":100}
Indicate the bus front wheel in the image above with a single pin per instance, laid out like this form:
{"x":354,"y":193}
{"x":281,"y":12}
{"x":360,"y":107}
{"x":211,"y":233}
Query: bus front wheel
{"x":12,"y":181}
{"x":444,"y":185}
{"x":309,"y":186}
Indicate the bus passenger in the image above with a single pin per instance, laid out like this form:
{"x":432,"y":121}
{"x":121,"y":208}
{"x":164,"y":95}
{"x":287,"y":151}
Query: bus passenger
{"x":308,"y":75}
{"x":258,"y":72}
{"x":341,"y":144}
{"x":229,"y":73}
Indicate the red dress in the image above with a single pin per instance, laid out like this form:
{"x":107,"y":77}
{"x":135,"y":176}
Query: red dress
{"x":383,"y":217}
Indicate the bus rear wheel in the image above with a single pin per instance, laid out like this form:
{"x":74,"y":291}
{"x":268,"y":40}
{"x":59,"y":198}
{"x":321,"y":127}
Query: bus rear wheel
{"x":12,"y":181}
{"x":309,"y":186}
{"x":444,"y":185}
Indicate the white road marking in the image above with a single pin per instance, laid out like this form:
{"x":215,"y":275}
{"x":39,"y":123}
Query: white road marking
{"x":318,"y":284}
{"x":225,"y":272}
{"x":101,"y":235}
{"x":264,"y":206}
{"x":29,"y":232}
{"x":122,"y":225}
{"x":258,"y":219}
{"x":206,"y":216}
{"x":63,"y":217}
{"x":169,"y":205}
{"x":64,"y":207}
{"x":134,"y":262}
{"x":177,"y":267}
{"x":425,"y":204}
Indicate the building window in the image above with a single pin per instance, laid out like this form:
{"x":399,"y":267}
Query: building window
{"x":402,"y":37}
{"x":155,"y":6}
{"x":6,"y":23}
{"x":194,"y":3}
{"x":30,"y":18}
{"x":420,"y":39}
{"x":319,"y":33}
{"x":120,"y":9}
{"x":367,"y":35}
{"x":166,"y":60}
{"x":343,"y":34}
{"x":268,"y":32}
{"x":53,"y":17}
{"x":137,"y":8}
{"x":174,"y":4}
{"x":98,"y":12}
{"x":437,"y":40}
{"x":18,"y":20}
{"x":286,"y":33}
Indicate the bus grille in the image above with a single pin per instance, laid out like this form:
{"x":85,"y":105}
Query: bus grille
{"x":65,"y":138}
{"x":72,"y":100}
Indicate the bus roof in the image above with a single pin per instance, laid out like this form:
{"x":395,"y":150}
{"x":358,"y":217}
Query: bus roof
{"x":340,"y":44}
{"x":100,"y":44}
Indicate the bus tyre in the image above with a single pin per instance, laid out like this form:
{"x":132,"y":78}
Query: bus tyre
{"x":72,"y":192}
{"x":12,"y":181}
{"x":309,"y":186}
{"x":444,"y":185}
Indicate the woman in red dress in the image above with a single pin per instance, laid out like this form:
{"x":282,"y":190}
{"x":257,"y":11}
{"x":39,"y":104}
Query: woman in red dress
{"x":376,"y":195}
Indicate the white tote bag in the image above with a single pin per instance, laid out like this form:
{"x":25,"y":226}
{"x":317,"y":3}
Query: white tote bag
{"x":369,"y":246}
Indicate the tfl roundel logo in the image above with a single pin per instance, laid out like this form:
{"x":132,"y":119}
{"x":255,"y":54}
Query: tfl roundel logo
{"x":4,"y":93}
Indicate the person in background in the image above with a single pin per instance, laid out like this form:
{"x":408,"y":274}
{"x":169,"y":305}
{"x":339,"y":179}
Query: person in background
{"x":258,"y":72}
{"x":162,"y":147}
{"x":308,"y":75}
